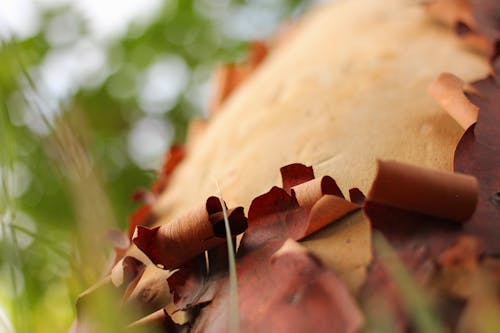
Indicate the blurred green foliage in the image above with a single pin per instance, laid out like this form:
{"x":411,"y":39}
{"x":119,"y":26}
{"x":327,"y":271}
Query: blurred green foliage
{"x":41,"y":265}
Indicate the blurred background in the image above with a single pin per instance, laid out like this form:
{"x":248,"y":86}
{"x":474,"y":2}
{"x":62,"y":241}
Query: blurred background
{"x":92,"y":94}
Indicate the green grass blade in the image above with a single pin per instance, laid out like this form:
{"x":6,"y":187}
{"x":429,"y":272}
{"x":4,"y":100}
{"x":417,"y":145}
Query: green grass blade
{"x":419,"y":309}
{"x":234,"y":316}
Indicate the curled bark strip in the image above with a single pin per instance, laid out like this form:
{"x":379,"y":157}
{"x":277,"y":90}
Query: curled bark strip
{"x":132,"y":267}
{"x":189,"y":283}
{"x":308,"y":193}
{"x":201,"y":229}
{"x":273,"y":218}
{"x":474,"y":157}
{"x":231,"y":76}
{"x":327,"y":209}
{"x":475,"y":21}
{"x":142,"y":286}
{"x":488,"y":100}
{"x":440,"y":194}
{"x":235,"y":214}
{"x":270,"y":203}
{"x":192,"y":285}
{"x":356,"y":196}
{"x":148,"y":292}
{"x":301,"y":294}
{"x":296,"y":222}
{"x":141,"y":216}
{"x":144,"y":214}
{"x":258,"y":52}
{"x":225,"y":82}
{"x":478,"y":154}
{"x":472,"y":39}
{"x":173,"y":157}
{"x":447,"y":89}
{"x":132,"y":286}
{"x":295,"y":174}
{"x":464,"y":254}
{"x":450,"y":12}
{"x":126,"y":270}
{"x":486,"y":14}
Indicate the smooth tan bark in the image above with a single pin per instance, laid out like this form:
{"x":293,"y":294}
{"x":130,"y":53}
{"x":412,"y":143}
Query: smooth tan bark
{"x":347,"y":88}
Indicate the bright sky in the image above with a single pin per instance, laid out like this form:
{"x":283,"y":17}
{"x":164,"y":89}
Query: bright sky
{"x":106,"y":18}
{"x":76,"y":60}
{"x":62,"y":72}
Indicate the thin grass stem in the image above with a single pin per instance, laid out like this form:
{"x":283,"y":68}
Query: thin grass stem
{"x":234,"y":316}
{"x":422,"y":314}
